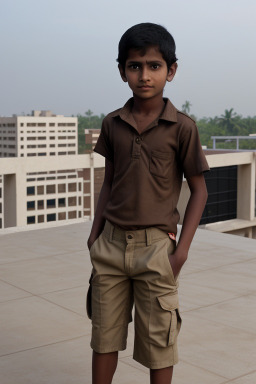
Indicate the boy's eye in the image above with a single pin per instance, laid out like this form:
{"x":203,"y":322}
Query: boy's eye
{"x":134,"y":66}
{"x":155,"y":66}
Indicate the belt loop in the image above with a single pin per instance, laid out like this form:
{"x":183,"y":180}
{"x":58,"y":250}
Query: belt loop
{"x":148,"y":236}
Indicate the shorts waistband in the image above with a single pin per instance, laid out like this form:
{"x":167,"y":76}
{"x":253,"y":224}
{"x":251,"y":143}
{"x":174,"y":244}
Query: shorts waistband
{"x":147,"y":235}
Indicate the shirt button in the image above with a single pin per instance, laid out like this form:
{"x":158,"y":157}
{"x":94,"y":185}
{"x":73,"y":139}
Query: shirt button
{"x":129,"y":237}
{"x":138,"y":140}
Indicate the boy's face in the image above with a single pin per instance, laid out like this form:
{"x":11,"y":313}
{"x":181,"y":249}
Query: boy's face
{"x":147,"y":73}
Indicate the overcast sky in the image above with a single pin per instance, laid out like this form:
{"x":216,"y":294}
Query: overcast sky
{"x":61,"y":54}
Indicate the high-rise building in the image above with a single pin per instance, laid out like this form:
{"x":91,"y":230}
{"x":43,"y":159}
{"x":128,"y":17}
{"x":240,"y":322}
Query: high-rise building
{"x":40,"y":134}
{"x":55,"y":194}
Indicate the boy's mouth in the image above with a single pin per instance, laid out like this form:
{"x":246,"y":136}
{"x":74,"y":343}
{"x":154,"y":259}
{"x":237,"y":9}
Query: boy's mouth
{"x":145,"y":87}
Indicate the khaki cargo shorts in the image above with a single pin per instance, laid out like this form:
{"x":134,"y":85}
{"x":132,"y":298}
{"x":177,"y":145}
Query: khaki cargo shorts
{"x":132,"y":268}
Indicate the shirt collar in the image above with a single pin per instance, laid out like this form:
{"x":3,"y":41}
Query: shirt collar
{"x":169,"y":112}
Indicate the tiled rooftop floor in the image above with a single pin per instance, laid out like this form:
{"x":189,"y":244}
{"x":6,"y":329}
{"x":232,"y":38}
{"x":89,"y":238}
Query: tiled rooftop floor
{"x":45,"y":333}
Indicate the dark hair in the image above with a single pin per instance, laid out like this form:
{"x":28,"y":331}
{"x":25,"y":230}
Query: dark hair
{"x":144,"y":35}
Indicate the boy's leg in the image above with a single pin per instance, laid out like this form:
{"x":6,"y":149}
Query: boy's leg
{"x":161,"y":376}
{"x":103,"y":367}
{"x":112,"y":301}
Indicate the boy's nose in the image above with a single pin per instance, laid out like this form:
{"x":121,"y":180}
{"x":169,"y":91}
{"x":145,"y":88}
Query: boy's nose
{"x":144,"y":74}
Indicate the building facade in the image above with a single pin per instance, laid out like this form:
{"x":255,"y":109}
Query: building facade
{"x":40,"y":134}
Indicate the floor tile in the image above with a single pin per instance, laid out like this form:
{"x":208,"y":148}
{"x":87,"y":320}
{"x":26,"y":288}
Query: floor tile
{"x":33,"y":322}
{"x":217,"y":348}
{"x":44,"y":275}
{"x":9,"y":292}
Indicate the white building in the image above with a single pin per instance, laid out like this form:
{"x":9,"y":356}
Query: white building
{"x":43,"y":195}
{"x":41,"y":134}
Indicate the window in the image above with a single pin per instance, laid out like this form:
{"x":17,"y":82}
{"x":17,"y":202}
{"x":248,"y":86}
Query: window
{"x":30,"y":191}
{"x":222,"y":195}
{"x":62,"y":215}
{"x":62,"y":188}
{"x":31,"y":220}
{"x":51,"y":203}
{"x":40,"y":189}
{"x":40,"y":204}
{"x":51,"y":217}
{"x":62,"y":202}
{"x":30,"y":205}
{"x":50,"y":189}
{"x":40,"y":218}
{"x":72,"y":187}
{"x":72,"y":201}
{"x":72,"y":215}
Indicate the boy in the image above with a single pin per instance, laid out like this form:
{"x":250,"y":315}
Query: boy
{"x":148,"y":145}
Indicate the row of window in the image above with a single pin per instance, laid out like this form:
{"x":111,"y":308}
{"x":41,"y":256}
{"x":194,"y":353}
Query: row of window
{"x":44,"y":145}
{"x":50,"y":131}
{"x":52,"y":203}
{"x":55,"y":176}
{"x":45,"y":138}
{"x":44,"y":125}
{"x":54,"y":217}
{"x":8,"y":138}
{"x":51,"y":154}
{"x":52,"y":188}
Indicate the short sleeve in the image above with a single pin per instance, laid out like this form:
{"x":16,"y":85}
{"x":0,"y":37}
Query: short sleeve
{"x":191,"y":154}
{"x":103,"y":145}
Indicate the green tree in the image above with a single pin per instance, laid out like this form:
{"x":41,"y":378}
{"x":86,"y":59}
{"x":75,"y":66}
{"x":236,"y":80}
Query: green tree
{"x":186,"y":107}
{"x":229,"y":121}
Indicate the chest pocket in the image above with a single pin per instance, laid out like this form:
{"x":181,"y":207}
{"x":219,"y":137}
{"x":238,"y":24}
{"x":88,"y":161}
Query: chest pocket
{"x":161,"y":164}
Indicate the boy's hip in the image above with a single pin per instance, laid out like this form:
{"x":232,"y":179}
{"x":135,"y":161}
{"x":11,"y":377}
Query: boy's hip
{"x":140,"y":255}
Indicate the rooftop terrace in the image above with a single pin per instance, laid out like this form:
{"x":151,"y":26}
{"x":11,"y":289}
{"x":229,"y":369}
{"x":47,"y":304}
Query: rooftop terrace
{"x":45,"y":333}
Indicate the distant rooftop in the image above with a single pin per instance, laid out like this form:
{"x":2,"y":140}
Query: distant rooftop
{"x":36,"y":113}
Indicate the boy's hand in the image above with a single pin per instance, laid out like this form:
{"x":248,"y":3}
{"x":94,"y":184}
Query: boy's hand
{"x":177,"y":259}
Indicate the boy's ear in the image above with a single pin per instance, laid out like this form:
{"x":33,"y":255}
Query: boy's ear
{"x":122,"y":73}
{"x":171,"y":72}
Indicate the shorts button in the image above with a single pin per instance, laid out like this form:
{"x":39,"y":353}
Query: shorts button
{"x":130,"y":237}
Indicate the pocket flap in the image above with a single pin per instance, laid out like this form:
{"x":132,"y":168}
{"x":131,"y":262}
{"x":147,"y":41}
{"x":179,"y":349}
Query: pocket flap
{"x":168,"y":302}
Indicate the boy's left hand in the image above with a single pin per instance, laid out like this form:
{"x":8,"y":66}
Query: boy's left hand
{"x":177,"y":259}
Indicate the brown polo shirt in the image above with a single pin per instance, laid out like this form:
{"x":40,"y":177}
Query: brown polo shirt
{"x":149,"y":167}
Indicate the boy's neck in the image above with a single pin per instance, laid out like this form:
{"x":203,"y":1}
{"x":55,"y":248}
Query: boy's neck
{"x":145,"y":107}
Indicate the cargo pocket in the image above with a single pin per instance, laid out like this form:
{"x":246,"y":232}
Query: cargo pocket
{"x":170,"y":303}
{"x":160,"y":164}
{"x":165,"y":321}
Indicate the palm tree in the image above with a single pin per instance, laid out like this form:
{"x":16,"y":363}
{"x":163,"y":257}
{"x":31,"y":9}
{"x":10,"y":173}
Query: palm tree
{"x":228,"y":121}
{"x":89,"y":114}
{"x":186,"y":107}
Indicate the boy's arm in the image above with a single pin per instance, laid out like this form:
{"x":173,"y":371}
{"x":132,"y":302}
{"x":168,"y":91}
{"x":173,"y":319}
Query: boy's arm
{"x":99,"y":221}
{"x":191,"y":221}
